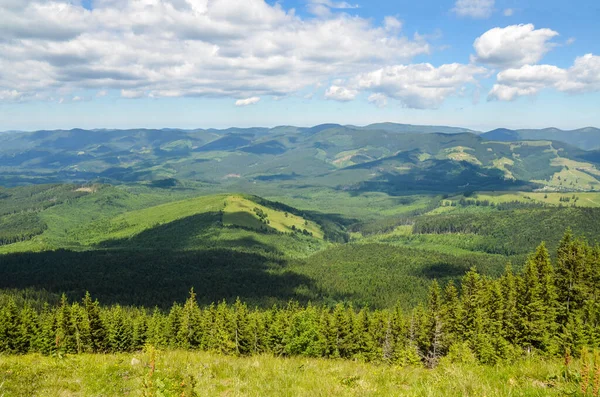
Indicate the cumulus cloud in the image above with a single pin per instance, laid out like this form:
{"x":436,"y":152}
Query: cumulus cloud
{"x":342,"y":94}
{"x":513,"y":46}
{"x":380,"y":100}
{"x":248,"y":101}
{"x":583,"y":76}
{"x":132,"y":94}
{"x":508,"y":12}
{"x":474,"y":8}
{"x":323,"y":8}
{"x":166,"y":48}
{"x":420,"y":86}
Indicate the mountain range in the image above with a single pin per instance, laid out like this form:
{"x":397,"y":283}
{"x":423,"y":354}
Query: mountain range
{"x":379,"y":157}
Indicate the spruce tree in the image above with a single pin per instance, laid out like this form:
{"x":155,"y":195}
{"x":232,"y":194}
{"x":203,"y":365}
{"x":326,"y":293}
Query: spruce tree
{"x":97,"y":329}
{"x":534,"y":328}
{"x":65,"y":332}
{"x":9,"y":328}
{"x":189,"y":335}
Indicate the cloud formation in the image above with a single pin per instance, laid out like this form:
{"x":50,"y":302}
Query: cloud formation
{"x":170,"y":48}
{"x":479,"y":9}
{"x":513,"y":46}
{"x":419,"y":86}
{"x":248,"y":101}
{"x":582,"y":77}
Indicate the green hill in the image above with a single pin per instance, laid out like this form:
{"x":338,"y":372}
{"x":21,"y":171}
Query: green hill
{"x":396,"y":158}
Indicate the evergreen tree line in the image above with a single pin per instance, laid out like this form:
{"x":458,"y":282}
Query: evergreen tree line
{"x":547,"y":309}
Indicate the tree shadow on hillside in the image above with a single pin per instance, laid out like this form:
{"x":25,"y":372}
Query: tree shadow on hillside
{"x":155,"y":277}
{"x":440,"y":176}
{"x":161,"y":264}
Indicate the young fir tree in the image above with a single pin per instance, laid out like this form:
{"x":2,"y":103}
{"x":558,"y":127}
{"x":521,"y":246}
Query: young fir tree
{"x":65,"y":332}
{"x":365,"y":345}
{"x":434,"y":326}
{"x":157,"y":332}
{"x":81,"y":329}
{"x":342,"y":330}
{"x":47,"y":341}
{"x":9,"y":328}
{"x":140,"y":330}
{"x":241,"y":328}
{"x":510,"y":317}
{"x":174,"y":324}
{"x":120,"y":330}
{"x":258,"y":332}
{"x":29,"y":330}
{"x":471,"y":301}
{"x":548,"y":295}
{"x":223,"y":337}
{"x":452,"y":314}
{"x":534,"y":328}
{"x":98,"y":342}
{"x":571,"y":272}
{"x":189,"y":335}
{"x":303,"y":337}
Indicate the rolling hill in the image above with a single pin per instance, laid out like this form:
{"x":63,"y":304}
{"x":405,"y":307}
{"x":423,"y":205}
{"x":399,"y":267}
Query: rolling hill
{"x":380,"y":157}
{"x":584,"y":138}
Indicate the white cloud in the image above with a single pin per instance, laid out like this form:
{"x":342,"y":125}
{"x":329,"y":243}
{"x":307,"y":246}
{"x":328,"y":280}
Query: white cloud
{"x":420,"y":86}
{"x":101,"y":93}
{"x":570,"y":40}
{"x":341,"y":94}
{"x":380,"y":100}
{"x":392,"y":24}
{"x":583,"y":76}
{"x":248,"y":101}
{"x":77,"y":99}
{"x":474,"y":8}
{"x":226,"y":48}
{"x":508,"y":12}
{"x":513,"y":46}
{"x":9,"y":95}
{"x":132,"y":94}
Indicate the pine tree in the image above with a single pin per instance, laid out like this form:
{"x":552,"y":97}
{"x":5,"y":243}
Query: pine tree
{"x":120,"y":330}
{"x":571,"y":271}
{"x":548,"y":295}
{"x":189,"y":335}
{"x":510,"y":318}
{"x":65,"y":332}
{"x":365,"y":348}
{"x":471,"y":301}
{"x":534,"y":329}
{"x":174,"y":324}
{"x":29,"y":330}
{"x":241,"y":328}
{"x":9,"y":327}
{"x":434,"y":326}
{"x":303,"y":337}
{"x":98,"y":342}
{"x":223,"y":336}
{"x":81,"y":328}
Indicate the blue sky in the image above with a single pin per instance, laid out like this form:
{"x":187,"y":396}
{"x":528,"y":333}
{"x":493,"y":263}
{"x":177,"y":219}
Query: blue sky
{"x":480,"y":64}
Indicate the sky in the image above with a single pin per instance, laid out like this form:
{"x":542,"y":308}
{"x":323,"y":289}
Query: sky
{"x":480,"y":64}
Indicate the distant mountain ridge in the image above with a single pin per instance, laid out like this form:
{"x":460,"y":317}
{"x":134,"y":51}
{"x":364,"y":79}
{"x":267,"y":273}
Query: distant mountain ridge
{"x":587,"y":138}
{"x":384,"y":157}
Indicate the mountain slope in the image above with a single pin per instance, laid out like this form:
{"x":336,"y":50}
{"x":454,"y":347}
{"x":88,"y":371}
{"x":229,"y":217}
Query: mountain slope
{"x":584,"y":138}
{"x":323,"y":155}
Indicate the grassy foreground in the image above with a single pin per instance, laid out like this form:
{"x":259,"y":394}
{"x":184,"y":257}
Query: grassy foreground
{"x":179,"y":373}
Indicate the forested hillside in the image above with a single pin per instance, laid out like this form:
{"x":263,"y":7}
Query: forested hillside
{"x":385,"y":157}
{"x":549,"y":308}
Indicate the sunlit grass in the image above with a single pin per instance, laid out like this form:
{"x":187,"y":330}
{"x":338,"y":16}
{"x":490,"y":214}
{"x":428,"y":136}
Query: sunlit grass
{"x":179,"y":373}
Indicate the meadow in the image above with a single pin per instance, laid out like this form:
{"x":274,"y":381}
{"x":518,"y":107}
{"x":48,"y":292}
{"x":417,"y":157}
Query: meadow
{"x":184,"y":373}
